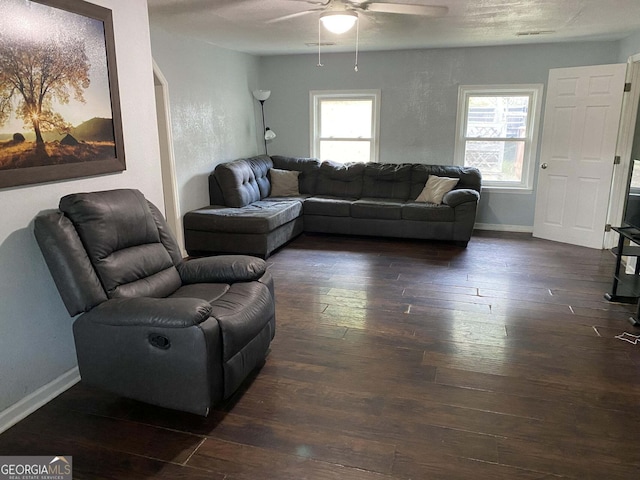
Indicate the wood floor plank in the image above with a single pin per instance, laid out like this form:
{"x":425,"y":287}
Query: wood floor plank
{"x":241,"y":461}
{"x":422,"y":464}
{"x":318,"y":443}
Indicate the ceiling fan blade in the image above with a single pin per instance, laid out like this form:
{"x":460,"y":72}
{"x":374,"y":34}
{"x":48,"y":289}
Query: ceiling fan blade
{"x":406,"y":9}
{"x":313,"y":2}
{"x":293,"y":15}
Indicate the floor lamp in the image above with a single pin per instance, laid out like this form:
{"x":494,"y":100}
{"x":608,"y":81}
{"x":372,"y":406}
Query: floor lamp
{"x":261,"y":96}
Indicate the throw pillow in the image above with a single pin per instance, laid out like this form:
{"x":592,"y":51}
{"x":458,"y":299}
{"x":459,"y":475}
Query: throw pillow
{"x":436,"y":188}
{"x":284,"y":183}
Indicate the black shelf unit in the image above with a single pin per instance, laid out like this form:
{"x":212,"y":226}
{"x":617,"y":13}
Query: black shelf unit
{"x":626,"y":286}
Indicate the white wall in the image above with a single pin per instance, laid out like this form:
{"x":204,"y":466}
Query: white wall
{"x":419,"y":99}
{"x":213,"y":112}
{"x":36,"y":344}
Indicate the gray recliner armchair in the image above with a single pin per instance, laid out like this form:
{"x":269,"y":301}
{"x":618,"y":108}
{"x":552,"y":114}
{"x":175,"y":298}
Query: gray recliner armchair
{"x":181,"y":334}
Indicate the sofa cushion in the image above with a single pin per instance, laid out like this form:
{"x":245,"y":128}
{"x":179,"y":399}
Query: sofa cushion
{"x":387,"y":180}
{"x":340,"y":180}
{"x":308,"y":168}
{"x":284,"y":183}
{"x":436,"y":188}
{"x":259,"y":217}
{"x":237,"y":183}
{"x":378,"y":208}
{"x":209,"y":292}
{"x":123,"y":243}
{"x":261,"y":166}
{"x":328,"y":206}
{"x":427,"y":212}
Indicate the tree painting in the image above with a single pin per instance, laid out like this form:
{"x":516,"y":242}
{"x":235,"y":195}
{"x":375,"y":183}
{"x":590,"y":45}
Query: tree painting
{"x":56,"y":87}
{"x":35,"y":74}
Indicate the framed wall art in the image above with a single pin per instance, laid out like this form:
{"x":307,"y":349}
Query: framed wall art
{"x":59,"y":103}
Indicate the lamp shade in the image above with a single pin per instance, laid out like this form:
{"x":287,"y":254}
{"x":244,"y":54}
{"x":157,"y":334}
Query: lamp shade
{"x":338,"y":22}
{"x":269,"y":134}
{"x":261,"y":95}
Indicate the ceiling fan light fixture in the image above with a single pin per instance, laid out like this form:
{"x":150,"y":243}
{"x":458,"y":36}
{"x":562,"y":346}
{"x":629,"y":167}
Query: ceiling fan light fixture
{"x":338,"y":22}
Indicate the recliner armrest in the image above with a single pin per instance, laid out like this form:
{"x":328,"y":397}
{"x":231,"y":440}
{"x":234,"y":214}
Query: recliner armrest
{"x":460,"y":195}
{"x":222,"y":269}
{"x":152,"y":312}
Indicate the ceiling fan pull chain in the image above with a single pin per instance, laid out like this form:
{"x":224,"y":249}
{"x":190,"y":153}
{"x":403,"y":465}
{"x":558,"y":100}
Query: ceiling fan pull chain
{"x":357,"y":41}
{"x":319,"y":44}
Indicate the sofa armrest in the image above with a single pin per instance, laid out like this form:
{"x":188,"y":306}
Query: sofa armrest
{"x":222,"y":269}
{"x":150,"y":312}
{"x":461,"y":195}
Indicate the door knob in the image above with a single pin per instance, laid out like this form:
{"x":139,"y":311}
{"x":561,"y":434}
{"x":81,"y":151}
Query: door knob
{"x":544,"y":166}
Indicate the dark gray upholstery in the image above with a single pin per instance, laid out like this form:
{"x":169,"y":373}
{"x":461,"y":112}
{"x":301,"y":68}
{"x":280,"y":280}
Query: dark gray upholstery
{"x":200,"y":242}
{"x":68,"y":261}
{"x":238,"y":183}
{"x":387,"y":180}
{"x":328,"y":206}
{"x":355,"y":198}
{"x":340,"y":180}
{"x":427,"y":212}
{"x":259,"y":217}
{"x":377,"y":208}
{"x":179,"y":334}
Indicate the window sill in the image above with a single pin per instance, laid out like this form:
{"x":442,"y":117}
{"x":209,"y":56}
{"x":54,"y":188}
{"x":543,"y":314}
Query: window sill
{"x":516,"y":190}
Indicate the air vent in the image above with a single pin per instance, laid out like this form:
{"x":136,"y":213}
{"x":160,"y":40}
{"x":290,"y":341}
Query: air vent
{"x":533,"y":33}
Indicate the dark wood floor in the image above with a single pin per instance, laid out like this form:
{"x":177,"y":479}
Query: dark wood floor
{"x":396,"y":360}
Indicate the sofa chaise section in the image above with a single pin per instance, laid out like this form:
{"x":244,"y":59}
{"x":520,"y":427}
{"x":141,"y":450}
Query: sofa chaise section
{"x":242,"y":220}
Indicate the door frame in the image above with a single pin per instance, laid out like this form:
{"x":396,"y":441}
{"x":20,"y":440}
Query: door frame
{"x":167,"y":158}
{"x":624,"y":145}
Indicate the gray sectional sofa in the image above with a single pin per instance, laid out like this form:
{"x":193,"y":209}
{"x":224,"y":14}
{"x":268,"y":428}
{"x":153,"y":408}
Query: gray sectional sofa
{"x":371,"y":199}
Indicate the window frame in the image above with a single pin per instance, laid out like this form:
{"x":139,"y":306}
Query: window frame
{"x":315,"y":99}
{"x":535,"y":93}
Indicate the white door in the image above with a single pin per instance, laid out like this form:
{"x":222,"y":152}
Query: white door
{"x":582,"y":115}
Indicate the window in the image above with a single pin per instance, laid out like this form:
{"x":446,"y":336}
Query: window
{"x":344,"y":125}
{"x":498,"y":133}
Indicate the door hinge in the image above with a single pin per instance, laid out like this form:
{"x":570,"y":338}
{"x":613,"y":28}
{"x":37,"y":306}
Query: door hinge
{"x":607,"y":227}
{"x":627,"y":87}
{"x":616,"y":160}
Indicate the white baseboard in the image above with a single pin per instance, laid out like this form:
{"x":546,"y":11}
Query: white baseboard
{"x":34,"y":401}
{"x":504,"y":228}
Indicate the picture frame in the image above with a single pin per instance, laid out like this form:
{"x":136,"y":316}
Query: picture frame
{"x":74,"y":128}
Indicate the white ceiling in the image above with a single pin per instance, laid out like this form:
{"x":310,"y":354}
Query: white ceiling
{"x":241,"y":24}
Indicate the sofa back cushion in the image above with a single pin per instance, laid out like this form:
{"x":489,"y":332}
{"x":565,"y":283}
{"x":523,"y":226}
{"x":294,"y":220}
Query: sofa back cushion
{"x":123,"y":243}
{"x":387,"y":180}
{"x":260,"y":166}
{"x":470,"y":178}
{"x":237,"y":182}
{"x":309,"y":169}
{"x":340,"y":180}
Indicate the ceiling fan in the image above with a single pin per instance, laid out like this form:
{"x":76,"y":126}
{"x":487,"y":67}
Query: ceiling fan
{"x":338,"y":16}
